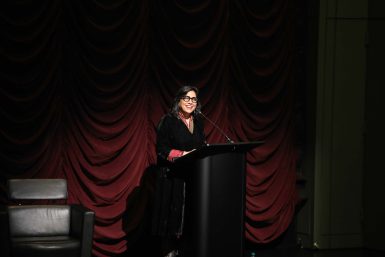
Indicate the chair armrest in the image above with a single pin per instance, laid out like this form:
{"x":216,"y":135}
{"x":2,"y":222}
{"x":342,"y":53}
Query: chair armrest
{"x":5,"y":241}
{"x":82,"y":226}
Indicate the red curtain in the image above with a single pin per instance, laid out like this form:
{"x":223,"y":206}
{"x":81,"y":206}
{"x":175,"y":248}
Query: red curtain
{"x":84,"y":83}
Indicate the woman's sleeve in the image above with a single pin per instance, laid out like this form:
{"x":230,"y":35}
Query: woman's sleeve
{"x":164,"y":141}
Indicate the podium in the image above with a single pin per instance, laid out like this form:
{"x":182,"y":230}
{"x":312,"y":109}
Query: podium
{"x":215,"y":199}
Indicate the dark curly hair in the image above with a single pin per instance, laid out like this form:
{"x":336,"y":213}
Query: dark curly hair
{"x":182,"y":92}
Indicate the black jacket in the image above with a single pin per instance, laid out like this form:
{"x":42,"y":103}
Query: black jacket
{"x":172,"y":133}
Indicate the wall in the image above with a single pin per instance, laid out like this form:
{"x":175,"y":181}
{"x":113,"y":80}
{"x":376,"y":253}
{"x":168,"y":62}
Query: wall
{"x":333,"y":217}
{"x":374,"y":167}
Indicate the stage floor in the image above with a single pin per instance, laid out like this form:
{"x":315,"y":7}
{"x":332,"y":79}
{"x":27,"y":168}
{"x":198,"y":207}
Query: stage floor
{"x":315,"y":253}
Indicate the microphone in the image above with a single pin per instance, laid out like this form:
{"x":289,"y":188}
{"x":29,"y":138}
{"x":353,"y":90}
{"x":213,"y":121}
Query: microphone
{"x":215,"y":125}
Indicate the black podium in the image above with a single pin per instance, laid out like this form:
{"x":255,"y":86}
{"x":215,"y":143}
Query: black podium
{"x":215,"y":199}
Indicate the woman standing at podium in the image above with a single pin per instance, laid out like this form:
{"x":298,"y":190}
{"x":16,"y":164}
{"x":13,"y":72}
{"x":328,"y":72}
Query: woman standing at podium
{"x":179,"y":132}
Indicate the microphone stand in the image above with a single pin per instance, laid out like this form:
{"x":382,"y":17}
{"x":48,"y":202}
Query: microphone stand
{"x":215,"y":125}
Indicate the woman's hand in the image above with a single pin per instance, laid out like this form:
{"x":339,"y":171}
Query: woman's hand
{"x":187,"y":152}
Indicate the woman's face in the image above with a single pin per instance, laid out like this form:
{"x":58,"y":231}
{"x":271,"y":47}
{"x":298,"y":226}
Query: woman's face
{"x":188,"y":103}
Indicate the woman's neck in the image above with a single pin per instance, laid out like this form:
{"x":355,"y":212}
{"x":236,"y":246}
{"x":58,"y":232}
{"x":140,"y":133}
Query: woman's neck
{"x":185,"y":115}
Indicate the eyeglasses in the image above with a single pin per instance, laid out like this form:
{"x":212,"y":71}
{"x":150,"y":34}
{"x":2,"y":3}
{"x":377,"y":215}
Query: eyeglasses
{"x":186,"y":98}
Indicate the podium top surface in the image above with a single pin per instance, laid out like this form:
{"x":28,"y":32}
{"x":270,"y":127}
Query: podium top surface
{"x":212,"y":149}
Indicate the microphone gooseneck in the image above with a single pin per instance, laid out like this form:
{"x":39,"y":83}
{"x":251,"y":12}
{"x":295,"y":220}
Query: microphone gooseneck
{"x":215,"y":125}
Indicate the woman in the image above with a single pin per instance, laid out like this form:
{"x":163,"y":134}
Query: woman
{"x":179,"y":132}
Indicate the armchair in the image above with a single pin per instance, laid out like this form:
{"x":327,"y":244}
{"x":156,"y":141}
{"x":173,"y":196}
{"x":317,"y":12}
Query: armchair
{"x":40,"y":229}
